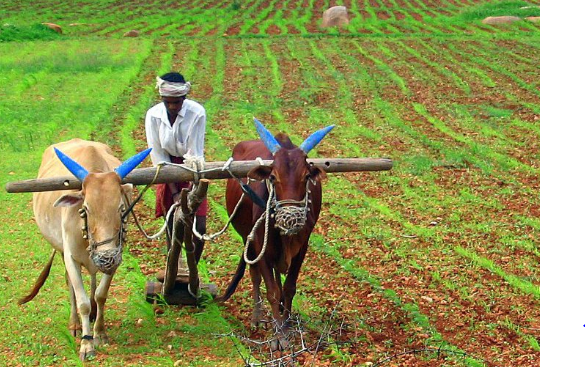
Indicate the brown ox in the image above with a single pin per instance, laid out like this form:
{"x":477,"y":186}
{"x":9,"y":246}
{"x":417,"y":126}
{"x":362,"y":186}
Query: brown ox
{"x":294,"y":205}
{"x":85,"y":226}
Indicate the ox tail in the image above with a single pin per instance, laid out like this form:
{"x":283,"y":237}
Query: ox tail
{"x":235,"y":280}
{"x":40,"y":281}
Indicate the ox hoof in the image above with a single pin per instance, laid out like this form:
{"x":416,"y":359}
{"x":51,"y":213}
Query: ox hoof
{"x":101,"y":340}
{"x":87,"y":349}
{"x":256,"y":319}
{"x":279,"y":343}
{"x":87,"y":355}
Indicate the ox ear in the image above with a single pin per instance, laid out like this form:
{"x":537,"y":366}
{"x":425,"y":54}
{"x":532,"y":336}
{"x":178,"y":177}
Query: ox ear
{"x":69,"y":200}
{"x":260,"y":173}
{"x":127,"y":188}
{"x":317,"y":173}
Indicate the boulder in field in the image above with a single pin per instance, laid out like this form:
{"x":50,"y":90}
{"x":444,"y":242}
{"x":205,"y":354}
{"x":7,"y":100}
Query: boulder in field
{"x":335,"y":16}
{"x":506,"y":19}
{"x":132,"y":33}
{"x":55,"y":27}
{"x":533,"y":19}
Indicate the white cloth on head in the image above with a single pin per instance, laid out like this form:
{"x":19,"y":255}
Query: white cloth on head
{"x":172,"y":89}
{"x":186,"y":134}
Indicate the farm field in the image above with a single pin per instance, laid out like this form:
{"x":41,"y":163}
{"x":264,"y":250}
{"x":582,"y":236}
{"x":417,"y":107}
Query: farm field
{"x":435,"y":263}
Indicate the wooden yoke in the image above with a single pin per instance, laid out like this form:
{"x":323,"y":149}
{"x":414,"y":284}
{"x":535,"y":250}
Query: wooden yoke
{"x":213,"y":170}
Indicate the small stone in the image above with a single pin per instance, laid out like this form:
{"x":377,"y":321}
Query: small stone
{"x":132,"y":33}
{"x":55,"y":27}
{"x":506,"y":19}
{"x":428,"y":299}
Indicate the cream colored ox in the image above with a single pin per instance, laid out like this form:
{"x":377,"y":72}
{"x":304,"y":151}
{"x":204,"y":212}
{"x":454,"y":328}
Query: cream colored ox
{"x":86,"y":227}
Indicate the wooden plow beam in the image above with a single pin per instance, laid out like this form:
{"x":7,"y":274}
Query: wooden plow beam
{"x":170,"y":173}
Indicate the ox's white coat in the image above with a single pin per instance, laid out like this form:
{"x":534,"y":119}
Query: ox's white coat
{"x":57,"y":215}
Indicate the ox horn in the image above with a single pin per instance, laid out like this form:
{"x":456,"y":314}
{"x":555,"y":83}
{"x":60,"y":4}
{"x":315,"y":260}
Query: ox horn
{"x":75,"y":168}
{"x":131,"y":163}
{"x":315,"y":138}
{"x":268,"y":139}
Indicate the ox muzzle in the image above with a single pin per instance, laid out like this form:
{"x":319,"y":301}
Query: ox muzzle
{"x":106,"y":260}
{"x":290,"y":216}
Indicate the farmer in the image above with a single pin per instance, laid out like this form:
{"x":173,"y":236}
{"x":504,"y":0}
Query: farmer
{"x":175,"y":129}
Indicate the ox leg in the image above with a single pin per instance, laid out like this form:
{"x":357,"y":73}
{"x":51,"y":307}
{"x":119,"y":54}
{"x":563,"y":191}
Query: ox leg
{"x":273,"y":294}
{"x":278,"y":278}
{"x":93,"y":313}
{"x":74,"y":325}
{"x":101,"y":294}
{"x":87,"y":349}
{"x":257,"y":310}
{"x":290,"y":284}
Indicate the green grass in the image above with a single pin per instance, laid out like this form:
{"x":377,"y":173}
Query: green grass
{"x":500,"y":8}
{"x":29,"y":32}
{"x":453,"y":102}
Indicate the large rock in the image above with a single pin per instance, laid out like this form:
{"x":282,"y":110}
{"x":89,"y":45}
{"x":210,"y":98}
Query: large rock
{"x":335,"y":17}
{"x":506,"y":19}
{"x":533,"y":19}
{"x":55,"y":27}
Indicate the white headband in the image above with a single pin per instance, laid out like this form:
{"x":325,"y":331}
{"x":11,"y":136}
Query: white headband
{"x":172,"y":89}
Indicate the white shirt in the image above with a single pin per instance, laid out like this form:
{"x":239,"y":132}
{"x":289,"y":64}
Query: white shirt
{"x":186,"y":135}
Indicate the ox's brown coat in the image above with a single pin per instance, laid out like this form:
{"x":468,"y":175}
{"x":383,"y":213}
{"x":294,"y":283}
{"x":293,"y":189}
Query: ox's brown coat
{"x":284,"y":254}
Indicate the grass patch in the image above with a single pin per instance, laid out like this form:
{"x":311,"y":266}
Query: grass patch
{"x":36,"y":32}
{"x":520,"y":9}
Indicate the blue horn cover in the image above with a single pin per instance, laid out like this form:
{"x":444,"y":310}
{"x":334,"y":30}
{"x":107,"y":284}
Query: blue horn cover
{"x":75,"y":168}
{"x":315,"y":138}
{"x":268,"y":139}
{"x":131,"y":163}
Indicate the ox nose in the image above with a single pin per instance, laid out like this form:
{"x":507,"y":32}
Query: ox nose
{"x":290,"y":219}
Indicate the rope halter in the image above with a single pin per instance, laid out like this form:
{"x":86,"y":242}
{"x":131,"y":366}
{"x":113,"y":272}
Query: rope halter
{"x":107,"y":261}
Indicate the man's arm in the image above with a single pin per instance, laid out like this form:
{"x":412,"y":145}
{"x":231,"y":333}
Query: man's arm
{"x":157,"y":154}
{"x":197,"y":138}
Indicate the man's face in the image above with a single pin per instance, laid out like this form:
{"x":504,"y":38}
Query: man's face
{"x":173,"y":104}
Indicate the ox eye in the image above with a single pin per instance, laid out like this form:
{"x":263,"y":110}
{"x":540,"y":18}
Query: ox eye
{"x":272,"y":178}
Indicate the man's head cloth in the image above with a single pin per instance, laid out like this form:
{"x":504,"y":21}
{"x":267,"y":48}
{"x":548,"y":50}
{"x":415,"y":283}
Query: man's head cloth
{"x":172,"y":85}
